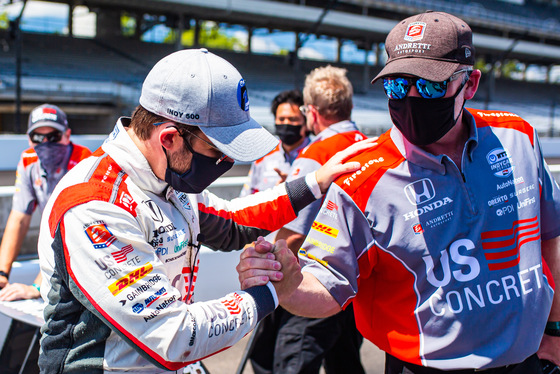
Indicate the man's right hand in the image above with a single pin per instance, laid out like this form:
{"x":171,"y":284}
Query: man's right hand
{"x":336,"y":165}
{"x":259,"y":264}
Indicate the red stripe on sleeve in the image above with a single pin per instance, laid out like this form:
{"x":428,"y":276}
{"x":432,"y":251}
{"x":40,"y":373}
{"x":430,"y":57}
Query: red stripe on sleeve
{"x":259,"y":215}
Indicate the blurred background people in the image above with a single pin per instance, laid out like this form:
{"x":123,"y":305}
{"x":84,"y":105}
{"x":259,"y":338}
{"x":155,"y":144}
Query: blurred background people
{"x":300,"y":344}
{"x":290,"y":128}
{"x":50,"y":156}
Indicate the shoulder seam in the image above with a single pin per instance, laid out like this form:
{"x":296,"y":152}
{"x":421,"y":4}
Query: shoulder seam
{"x":91,"y":190}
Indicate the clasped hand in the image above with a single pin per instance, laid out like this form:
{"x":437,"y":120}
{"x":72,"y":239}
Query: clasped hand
{"x":265,"y":262}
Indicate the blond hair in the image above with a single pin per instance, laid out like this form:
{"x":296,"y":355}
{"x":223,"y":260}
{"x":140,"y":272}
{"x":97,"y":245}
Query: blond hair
{"x":328,"y":89}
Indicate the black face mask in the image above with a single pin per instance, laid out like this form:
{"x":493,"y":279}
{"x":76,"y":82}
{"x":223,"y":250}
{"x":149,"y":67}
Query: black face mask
{"x":424,"y":121}
{"x":202,"y":173}
{"x":288,"y":134}
{"x":51,"y":155}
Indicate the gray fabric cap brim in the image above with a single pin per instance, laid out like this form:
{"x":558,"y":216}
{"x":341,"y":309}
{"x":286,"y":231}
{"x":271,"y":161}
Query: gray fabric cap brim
{"x":433,"y":70}
{"x":245,"y":142}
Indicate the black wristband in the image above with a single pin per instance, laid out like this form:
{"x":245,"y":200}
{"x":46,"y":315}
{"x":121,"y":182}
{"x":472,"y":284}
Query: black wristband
{"x":552,"y":328}
{"x":264,"y":300}
{"x":4,"y":274}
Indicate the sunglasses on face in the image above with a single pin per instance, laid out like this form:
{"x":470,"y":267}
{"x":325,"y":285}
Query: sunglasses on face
{"x":51,"y":137}
{"x":304,"y":109}
{"x":397,"y":87}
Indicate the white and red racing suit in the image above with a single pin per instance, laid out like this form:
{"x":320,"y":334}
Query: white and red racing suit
{"x":442,"y":264}
{"x":119,"y":254}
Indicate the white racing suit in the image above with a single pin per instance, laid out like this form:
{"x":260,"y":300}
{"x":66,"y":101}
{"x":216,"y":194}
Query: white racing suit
{"x":119,"y":255}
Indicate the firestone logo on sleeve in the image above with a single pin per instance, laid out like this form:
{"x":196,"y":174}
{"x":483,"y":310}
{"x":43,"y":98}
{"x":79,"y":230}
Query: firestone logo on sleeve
{"x":322,"y":228}
{"x":130,"y":278}
{"x":364,"y":167}
{"x":100,"y":235}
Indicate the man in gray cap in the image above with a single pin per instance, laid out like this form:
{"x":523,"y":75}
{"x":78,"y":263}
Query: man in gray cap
{"x":120,"y":238}
{"x":50,"y":156}
{"x":446,"y":241}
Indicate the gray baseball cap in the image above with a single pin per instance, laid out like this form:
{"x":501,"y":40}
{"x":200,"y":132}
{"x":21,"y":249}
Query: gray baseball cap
{"x":47,"y":115}
{"x":198,"y":88}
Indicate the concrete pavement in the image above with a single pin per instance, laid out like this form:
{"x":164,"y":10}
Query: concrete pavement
{"x":227,"y":362}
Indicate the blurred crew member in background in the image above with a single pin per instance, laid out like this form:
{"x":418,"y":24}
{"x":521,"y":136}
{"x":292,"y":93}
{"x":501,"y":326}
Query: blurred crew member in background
{"x":50,"y":156}
{"x":290,"y":127}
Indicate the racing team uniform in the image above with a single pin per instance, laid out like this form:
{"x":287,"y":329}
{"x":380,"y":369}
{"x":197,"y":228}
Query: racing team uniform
{"x":33,"y":186}
{"x":300,"y":343}
{"x":119,"y":255}
{"x":262,"y":174}
{"x":443,"y":266}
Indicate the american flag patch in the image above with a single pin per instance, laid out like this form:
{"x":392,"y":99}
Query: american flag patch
{"x":120,"y":256}
{"x":502,"y":247}
{"x":331,"y":205}
{"x":233,"y":305}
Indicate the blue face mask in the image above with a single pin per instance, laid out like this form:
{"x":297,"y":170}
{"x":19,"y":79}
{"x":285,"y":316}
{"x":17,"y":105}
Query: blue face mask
{"x":203,"y":171}
{"x":51,"y":155}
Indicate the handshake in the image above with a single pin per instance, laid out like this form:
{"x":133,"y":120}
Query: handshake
{"x":265,"y":262}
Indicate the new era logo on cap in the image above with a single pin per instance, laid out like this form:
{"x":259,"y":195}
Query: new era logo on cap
{"x":415,"y":31}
